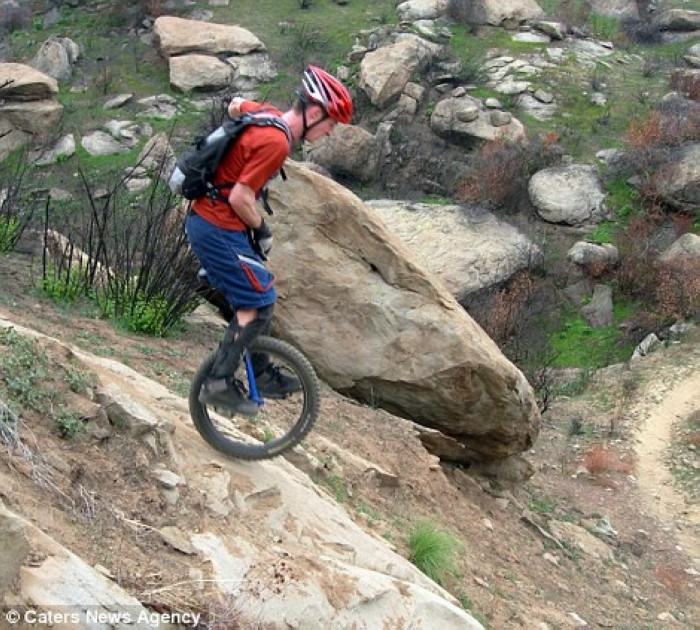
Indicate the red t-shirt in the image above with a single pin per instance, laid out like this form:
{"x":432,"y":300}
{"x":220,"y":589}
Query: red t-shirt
{"x":256,"y":156}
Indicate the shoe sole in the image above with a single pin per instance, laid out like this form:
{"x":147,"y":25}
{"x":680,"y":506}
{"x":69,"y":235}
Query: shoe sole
{"x":228,"y":408}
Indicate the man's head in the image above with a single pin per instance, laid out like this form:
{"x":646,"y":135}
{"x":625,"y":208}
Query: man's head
{"x":323,"y":102}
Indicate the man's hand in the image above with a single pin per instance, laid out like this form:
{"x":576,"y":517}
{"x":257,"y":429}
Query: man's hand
{"x":261,"y":239}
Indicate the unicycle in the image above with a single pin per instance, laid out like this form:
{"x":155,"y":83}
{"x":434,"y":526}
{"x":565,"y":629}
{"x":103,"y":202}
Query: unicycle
{"x":280,"y":424}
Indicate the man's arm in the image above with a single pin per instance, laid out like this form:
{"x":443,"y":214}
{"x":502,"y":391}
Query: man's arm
{"x":242,"y":200}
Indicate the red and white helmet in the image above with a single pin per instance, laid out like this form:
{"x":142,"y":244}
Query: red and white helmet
{"x":325,"y":90}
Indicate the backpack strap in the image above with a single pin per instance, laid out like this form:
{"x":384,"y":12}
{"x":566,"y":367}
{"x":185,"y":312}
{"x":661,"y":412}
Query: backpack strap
{"x":259,"y":119}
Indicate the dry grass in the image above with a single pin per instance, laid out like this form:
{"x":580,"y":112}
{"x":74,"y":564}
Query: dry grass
{"x":602,"y":459}
{"x":673,"y":578}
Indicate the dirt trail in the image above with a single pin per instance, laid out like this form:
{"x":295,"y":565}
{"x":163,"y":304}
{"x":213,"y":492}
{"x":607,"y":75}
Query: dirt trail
{"x":655,"y":480}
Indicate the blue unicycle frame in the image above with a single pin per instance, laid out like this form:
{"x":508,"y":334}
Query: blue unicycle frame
{"x":253,"y":393}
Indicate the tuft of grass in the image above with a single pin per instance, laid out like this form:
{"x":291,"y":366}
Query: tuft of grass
{"x":576,"y":344}
{"x":603,"y":233}
{"x":433,"y":550}
{"x":542,"y":505}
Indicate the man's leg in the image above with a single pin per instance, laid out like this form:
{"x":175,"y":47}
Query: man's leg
{"x":242,"y":330}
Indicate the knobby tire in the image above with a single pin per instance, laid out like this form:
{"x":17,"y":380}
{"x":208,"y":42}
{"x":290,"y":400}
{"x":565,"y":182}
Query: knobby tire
{"x":207,"y":423}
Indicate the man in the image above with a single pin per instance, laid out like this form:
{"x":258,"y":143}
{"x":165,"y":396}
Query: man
{"x":231,"y":238}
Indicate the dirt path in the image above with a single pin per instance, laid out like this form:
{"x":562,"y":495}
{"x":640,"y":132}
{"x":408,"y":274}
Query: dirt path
{"x":655,"y":480}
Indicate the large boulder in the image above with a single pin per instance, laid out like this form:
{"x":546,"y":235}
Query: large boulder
{"x":56,"y":57}
{"x":679,"y":180}
{"x":350,"y":152}
{"x":378,"y":326}
{"x":678,"y":20}
{"x":495,"y":12}
{"x":199,"y":72}
{"x":28,"y":107}
{"x":413,"y":10}
{"x":385,"y":72}
{"x":462,"y":119}
{"x":24,"y":83}
{"x":468,"y":248}
{"x":178,"y":36}
{"x":571,"y":195}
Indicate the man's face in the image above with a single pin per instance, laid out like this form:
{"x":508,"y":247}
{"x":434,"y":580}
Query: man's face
{"x":321,"y":129}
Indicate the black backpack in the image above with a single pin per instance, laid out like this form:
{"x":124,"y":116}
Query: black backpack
{"x":195,"y":170}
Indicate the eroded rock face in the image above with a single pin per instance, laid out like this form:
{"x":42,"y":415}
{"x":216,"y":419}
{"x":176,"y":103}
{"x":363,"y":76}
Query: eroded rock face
{"x":341,"y":576}
{"x":377,"y":325}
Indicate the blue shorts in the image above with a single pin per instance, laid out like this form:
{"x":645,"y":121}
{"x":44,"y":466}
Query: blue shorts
{"x":232,"y":265}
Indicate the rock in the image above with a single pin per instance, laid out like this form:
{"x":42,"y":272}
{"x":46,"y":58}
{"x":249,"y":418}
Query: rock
{"x":599,"y":311}
{"x":118,"y":101}
{"x":385,"y":72}
{"x":482,"y":250}
{"x":178,"y":36}
{"x":496,"y":12}
{"x":408,"y":347}
{"x":101,"y":143}
{"x":200,"y":72}
{"x":56,"y":58}
{"x":26,"y":83}
{"x":350,"y":152}
{"x":567,"y":194}
{"x":595,"y":259}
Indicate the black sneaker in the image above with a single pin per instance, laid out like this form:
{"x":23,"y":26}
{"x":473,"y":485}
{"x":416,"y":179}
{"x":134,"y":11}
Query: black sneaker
{"x":275,"y":383}
{"x":223,"y":393}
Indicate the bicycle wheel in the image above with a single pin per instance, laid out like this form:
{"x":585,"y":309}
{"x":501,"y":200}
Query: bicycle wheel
{"x":280,"y":423}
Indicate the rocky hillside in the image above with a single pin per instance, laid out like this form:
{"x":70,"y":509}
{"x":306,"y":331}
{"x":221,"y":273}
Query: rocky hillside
{"x":531,"y":183}
{"x":115,"y":505}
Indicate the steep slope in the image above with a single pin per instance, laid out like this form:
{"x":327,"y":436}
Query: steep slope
{"x":532,"y":554}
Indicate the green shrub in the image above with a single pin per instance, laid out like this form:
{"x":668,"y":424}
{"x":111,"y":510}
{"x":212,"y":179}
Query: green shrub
{"x":137,"y":312}
{"x":65,"y":286}
{"x":69,"y":423}
{"x":576,"y":344}
{"x":9,"y":233}
{"x":433,"y":550}
{"x":78,"y":379}
{"x":25,"y":371}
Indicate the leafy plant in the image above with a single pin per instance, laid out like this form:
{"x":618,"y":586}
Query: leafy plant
{"x":78,"y":379}
{"x":9,"y":233}
{"x":66,"y":285}
{"x":69,"y":423}
{"x":433,"y":550}
{"x":24,"y":367}
{"x":603,"y":233}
